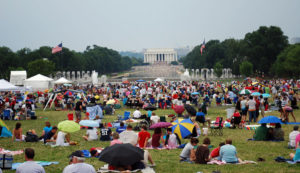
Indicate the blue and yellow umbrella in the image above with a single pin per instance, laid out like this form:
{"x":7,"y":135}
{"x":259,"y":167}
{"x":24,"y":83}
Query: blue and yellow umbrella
{"x":182,"y":127}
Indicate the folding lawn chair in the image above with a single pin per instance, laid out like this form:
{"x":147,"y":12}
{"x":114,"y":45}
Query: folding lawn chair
{"x":6,"y":115}
{"x":126,"y":116}
{"x":217,"y":127}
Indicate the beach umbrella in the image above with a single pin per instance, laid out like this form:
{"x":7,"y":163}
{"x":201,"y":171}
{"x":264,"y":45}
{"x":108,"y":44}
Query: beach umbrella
{"x":179,"y":109}
{"x":270,"y":119}
{"x":182,"y":127}
{"x":135,"y":87}
{"x":69,"y":93}
{"x":121,"y":155}
{"x":265,"y":95}
{"x":126,"y":82}
{"x":256,"y":94}
{"x":68,"y":126}
{"x":190,"y":109}
{"x":89,"y":123}
{"x":254,"y":83}
{"x":245,"y":92}
{"x":161,"y":125}
{"x":140,"y":80}
{"x":195,"y":93}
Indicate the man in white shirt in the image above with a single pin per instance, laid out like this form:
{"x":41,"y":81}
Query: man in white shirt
{"x":30,"y":165}
{"x":129,"y":136}
{"x":137,"y":113}
{"x":251,"y":109}
{"x":292,"y":137}
{"x":91,"y":134}
{"x":77,"y":164}
{"x":154,"y":118}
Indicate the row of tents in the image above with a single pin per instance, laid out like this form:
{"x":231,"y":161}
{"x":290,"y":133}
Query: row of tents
{"x":37,"y":82}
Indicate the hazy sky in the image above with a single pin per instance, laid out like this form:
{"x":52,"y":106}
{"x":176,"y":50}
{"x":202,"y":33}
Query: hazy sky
{"x":137,"y":24}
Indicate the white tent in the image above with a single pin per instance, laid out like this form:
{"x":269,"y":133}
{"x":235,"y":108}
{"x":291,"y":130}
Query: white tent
{"x":17,"y":77}
{"x":158,"y":80}
{"x":6,"y":86}
{"x":62,"y":80}
{"x":38,"y":82}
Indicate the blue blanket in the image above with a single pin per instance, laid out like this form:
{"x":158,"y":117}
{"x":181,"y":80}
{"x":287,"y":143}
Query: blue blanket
{"x":42,"y":163}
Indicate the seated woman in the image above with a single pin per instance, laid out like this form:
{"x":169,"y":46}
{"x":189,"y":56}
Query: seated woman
{"x":278,"y":133}
{"x":156,"y":138}
{"x":46,"y":129}
{"x":91,"y":134}
{"x":17,"y":133}
{"x":235,"y":118}
{"x":172,"y":139}
{"x":115,"y":140}
{"x":202,"y":152}
{"x":215,"y":153}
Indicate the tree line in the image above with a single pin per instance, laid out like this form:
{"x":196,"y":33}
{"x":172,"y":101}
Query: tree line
{"x":41,"y":60}
{"x":264,"y":52}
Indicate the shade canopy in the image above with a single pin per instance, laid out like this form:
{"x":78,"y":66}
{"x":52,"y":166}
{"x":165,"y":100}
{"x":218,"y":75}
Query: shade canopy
{"x":6,"y":86}
{"x":158,"y":80}
{"x":62,"y":80}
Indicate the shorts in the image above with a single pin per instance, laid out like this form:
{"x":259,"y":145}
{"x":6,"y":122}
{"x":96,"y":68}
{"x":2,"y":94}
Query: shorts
{"x":200,"y":119}
{"x":244,"y":112}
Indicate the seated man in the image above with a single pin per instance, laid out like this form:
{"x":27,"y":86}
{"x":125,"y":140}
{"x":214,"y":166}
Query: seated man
{"x":186,"y":152}
{"x":121,"y":128}
{"x":77,"y":164}
{"x":51,"y":135}
{"x":30,"y":165}
{"x":63,"y":139}
{"x":261,"y":133}
{"x":228,"y":152}
{"x":154,"y":118}
{"x":105,"y":133}
{"x":129,"y":136}
{"x":137,"y":113}
{"x":292,"y":137}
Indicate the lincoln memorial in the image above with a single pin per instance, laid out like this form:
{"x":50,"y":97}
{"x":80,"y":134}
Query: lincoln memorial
{"x":160,"y":56}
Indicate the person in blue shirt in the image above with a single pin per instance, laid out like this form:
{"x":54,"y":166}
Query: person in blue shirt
{"x":46,"y":129}
{"x":228,"y":153}
{"x":121,"y":128}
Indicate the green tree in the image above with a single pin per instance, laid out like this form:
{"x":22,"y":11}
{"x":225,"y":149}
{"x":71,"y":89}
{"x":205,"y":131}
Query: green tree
{"x":40,"y":66}
{"x":288,"y":62}
{"x":174,"y":63}
{"x":263,"y":46}
{"x":246,"y":68}
{"x":218,"y":69}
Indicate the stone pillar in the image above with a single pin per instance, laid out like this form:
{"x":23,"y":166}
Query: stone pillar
{"x":193,"y":73}
{"x":207,"y":74}
{"x":63,"y":74}
{"x":197,"y":74}
{"x":78,"y":75}
{"x":212,"y":74}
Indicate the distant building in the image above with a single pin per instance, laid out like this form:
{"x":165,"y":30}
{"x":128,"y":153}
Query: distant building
{"x":295,"y":40}
{"x":160,"y":56}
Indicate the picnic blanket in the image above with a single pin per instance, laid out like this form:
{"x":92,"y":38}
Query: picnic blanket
{"x":218,"y":162}
{"x":94,"y":111}
{"x":104,"y":169}
{"x":163,"y":148}
{"x":3,"y":151}
{"x":289,"y":161}
{"x":42,"y":163}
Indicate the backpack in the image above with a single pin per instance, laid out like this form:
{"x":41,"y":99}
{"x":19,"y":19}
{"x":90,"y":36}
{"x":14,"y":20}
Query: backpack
{"x":30,"y":137}
{"x":6,"y":161}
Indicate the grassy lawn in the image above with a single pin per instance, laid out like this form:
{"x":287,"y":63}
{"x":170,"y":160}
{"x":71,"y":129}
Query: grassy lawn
{"x":166,"y":160}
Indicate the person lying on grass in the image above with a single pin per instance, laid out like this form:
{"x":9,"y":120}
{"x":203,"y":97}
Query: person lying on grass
{"x":51,"y":136}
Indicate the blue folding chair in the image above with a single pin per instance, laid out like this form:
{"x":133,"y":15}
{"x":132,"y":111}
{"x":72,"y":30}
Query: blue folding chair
{"x":126,"y":116}
{"x":6,"y":115}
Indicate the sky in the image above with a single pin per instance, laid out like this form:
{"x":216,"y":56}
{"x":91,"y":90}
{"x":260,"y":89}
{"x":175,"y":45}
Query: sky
{"x":132,"y":25}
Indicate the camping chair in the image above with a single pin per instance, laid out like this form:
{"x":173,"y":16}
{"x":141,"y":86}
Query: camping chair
{"x":162,"y":119}
{"x":217,"y":127}
{"x":6,"y":115}
{"x":126,"y":116}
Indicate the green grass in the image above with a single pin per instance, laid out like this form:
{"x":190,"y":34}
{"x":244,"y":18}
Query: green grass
{"x":166,"y":160}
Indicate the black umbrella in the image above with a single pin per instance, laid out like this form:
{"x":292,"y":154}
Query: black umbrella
{"x":121,"y":155}
{"x":151,"y":108}
{"x":190,"y":109}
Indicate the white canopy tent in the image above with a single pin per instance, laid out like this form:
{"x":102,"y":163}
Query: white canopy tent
{"x":6,"y":86}
{"x":17,"y":77}
{"x":38,"y":82}
{"x":62,"y":80}
{"x":158,"y":80}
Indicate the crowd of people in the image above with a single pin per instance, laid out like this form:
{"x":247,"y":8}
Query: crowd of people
{"x":282,"y":97}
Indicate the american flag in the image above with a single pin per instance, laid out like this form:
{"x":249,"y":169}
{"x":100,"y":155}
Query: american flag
{"x":202,"y":46}
{"x":56,"y":49}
